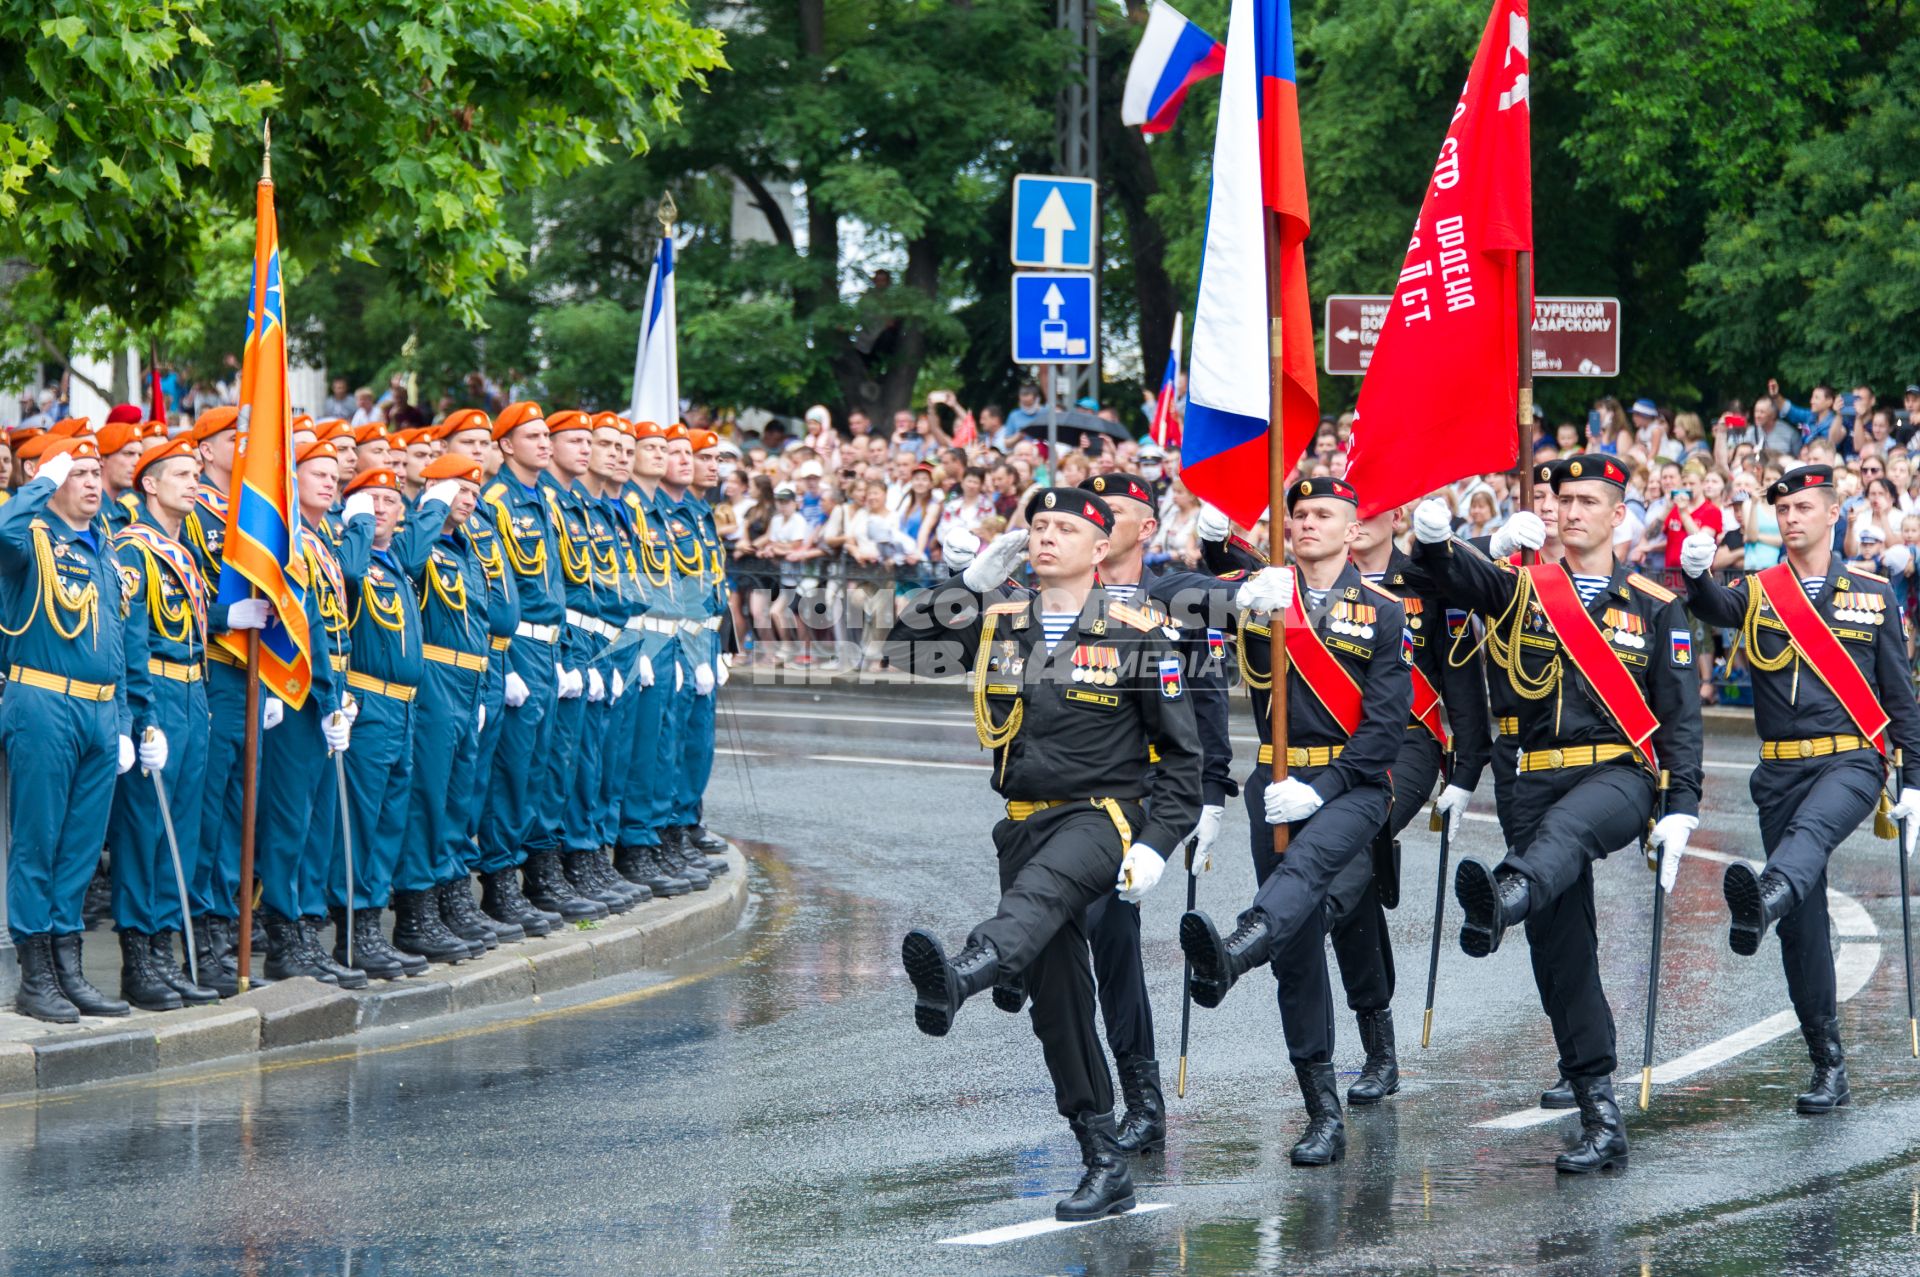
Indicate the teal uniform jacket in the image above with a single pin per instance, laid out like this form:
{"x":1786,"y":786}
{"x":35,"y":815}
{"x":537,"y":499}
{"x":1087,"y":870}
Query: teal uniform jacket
{"x":694,"y":763}
{"x":503,"y":616}
{"x":571,"y":747}
{"x":166,"y":664}
{"x":63,"y":604}
{"x":530,"y":553}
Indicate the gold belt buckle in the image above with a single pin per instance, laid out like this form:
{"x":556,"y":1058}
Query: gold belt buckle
{"x":1556,"y":759}
{"x":1806,"y":749}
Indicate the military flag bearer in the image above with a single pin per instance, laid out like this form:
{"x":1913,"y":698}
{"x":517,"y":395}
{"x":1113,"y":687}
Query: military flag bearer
{"x":1826,"y":733}
{"x":166,"y":695}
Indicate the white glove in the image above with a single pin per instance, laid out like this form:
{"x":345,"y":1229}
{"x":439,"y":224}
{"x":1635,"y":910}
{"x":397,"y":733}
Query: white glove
{"x":1897,"y":560}
{"x":1290,"y":800}
{"x":1138,"y":872}
{"x":358,"y":504}
{"x":480,"y":720}
{"x":596,"y":686}
{"x":1432,"y":522}
{"x":1696,"y":553}
{"x":996,"y":563}
{"x":618,"y":689}
{"x":646,"y":671}
{"x":1213,"y":524}
{"x":1523,"y":530}
{"x":153,"y":750}
{"x":57,"y":468}
{"x":126,"y":749}
{"x":569,"y":682}
{"x":1205,"y":834}
{"x":958,"y":544}
{"x":517,"y":690}
{"x":272,"y":711}
{"x":1452,"y":804}
{"x":443,"y":491}
{"x":679,"y":676}
{"x":1670,"y":839}
{"x":703,"y":679}
{"x":350,"y":706}
{"x":249,"y":614}
{"x":1268,"y":590}
{"x":1904,"y":811}
{"x":336,"y":728}
{"x":722,"y":669}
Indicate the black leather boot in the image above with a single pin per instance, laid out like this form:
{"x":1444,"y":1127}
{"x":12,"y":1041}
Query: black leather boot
{"x":578,"y":867}
{"x":1491,"y":902}
{"x":1144,"y":1128}
{"x":1218,"y":963}
{"x":1325,"y":1140}
{"x":371,"y":952}
{"x":219,"y":964}
{"x":600,"y":867}
{"x":705,"y":841}
{"x":1558,"y":1096}
{"x":701,"y":857}
{"x":97,"y":904}
{"x":287,"y":955}
{"x":548,"y":889}
{"x":73,"y":981}
{"x":40,"y":995}
{"x":500,"y":900}
{"x":640,"y":866}
{"x":1380,"y":1075}
{"x":140,"y":982}
{"x":417,"y":929}
{"x":176,"y":974}
{"x":1829,"y":1089}
{"x":684,"y":862}
{"x":944,"y":985}
{"x":1107,"y":1186}
{"x":317,"y":956}
{"x":1755,"y":901}
{"x":454,"y":898}
{"x":1603,"y":1135}
{"x":1010,"y":993}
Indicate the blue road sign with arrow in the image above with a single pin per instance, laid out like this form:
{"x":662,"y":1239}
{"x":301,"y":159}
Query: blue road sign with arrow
{"x":1052,"y":318}
{"x":1054,"y":221}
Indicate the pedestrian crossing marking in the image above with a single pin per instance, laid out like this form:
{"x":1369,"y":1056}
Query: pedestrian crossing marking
{"x":1040,"y":1227}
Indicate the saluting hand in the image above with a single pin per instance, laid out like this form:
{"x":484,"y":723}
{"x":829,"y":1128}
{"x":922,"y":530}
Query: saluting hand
{"x":1213,"y":524}
{"x":993,"y":565}
{"x":1432,"y":522}
{"x":1696,"y":553}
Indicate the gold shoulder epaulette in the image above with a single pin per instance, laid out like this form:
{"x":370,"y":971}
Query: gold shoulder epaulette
{"x":493,"y":491}
{"x":1007,"y":607}
{"x":1868,"y":575}
{"x":1379,"y":589}
{"x":1654,"y":588}
{"x":1131,"y":615}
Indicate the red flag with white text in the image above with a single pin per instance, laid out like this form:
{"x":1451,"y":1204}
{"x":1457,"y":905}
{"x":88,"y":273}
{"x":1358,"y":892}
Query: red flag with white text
{"x":1441,"y":393}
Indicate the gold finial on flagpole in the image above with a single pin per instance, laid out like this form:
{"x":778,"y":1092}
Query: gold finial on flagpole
{"x":266,"y":153}
{"x":667,"y":213}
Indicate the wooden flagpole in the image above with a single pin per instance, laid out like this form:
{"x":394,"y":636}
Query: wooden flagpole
{"x":1276,"y":510}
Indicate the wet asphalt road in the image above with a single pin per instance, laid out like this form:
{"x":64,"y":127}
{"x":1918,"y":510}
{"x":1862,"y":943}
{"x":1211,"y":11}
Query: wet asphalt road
{"x":767,"y":1107}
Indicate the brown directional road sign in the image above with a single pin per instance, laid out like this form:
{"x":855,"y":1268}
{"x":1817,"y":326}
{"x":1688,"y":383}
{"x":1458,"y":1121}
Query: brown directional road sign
{"x":1572,"y":336}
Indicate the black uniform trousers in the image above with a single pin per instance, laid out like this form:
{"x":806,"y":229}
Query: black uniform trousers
{"x":1563,"y":821}
{"x":1054,"y":865}
{"x":1120,"y":978}
{"x":1360,"y":942}
{"x":1807,"y":807}
{"x":1503,"y":762}
{"x":1294,"y":898}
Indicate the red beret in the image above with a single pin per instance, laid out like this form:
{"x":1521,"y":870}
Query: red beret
{"x":125,"y":412}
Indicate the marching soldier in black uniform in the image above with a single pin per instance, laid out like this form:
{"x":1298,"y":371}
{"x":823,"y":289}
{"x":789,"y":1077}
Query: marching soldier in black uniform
{"x":1825,"y":733}
{"x":1074,"y":692}
{"x":1347,"y":704}
{"x":1603,"y":660}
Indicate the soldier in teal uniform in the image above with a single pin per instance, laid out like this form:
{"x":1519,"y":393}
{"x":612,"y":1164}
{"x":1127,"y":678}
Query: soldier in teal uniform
{"x":63,"y":721}
{"x":121,"y":445}
{"x":688,"y":672}
{"x":166,"y":645}
{"x":530,"y":688}
{"x":704,"y":649}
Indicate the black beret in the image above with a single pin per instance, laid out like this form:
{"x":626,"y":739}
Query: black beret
{"x":1800,"y":479}
{"x":1120,"y":485}
{"x":1074,"y":501}
{"x":1337,"y":489}
{"x":1586,"y":466}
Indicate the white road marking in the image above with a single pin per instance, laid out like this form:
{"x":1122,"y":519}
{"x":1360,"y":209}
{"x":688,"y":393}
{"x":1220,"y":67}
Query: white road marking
{"x":1040,"y":1227}
{"x":898,"y":762}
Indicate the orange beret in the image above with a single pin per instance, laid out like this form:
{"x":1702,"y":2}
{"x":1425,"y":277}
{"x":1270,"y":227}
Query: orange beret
{"x":678,"y":430}
{"x":452,"y":465}
{"x":318,"y":450}
{"x":70,"y":427}
{"x":381,"y":478}
{"x":515,"y":415}
{"x":301,"y":421}
{"x":465,"y":419}
{"x":21,"y":434}
{"x":155,"y":430}
{"x":126,"y":412}
{"x":369,"y":433}
{"x":80,"y":446}
{"x":648,"y":430}
{"x":703,"y":439}
{"x":33,"y":448}
{"x":154,"y":454}
{"x":213,"y":421}
{"x":116,"y":435}
{"x":569,"y":419}
{"x":400,"y":438}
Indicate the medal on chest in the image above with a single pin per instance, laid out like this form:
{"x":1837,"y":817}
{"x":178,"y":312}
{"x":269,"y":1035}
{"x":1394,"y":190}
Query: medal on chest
{"x":1355,"y":619}
{"x":1097,"y":665}
{"x":1624,"y":628}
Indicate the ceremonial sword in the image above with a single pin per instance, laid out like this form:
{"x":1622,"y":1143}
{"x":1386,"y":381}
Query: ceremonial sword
{"x":1653,"y":961}
{"x":1186,"y":978}
{"x":1906,"y":906}
{"x":179,"y":874}
{"x":346,"y":842}
{"x":1444,"y":824}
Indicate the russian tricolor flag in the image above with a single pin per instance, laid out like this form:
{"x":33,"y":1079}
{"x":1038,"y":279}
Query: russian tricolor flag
{"x":1166,"y":405}
{"x":1257,"y":166}
{"x":1174,"y":55}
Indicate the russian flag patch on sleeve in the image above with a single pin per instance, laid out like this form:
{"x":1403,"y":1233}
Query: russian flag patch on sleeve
{"x":1170,"y":678}
{"x":1682,"y":648}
